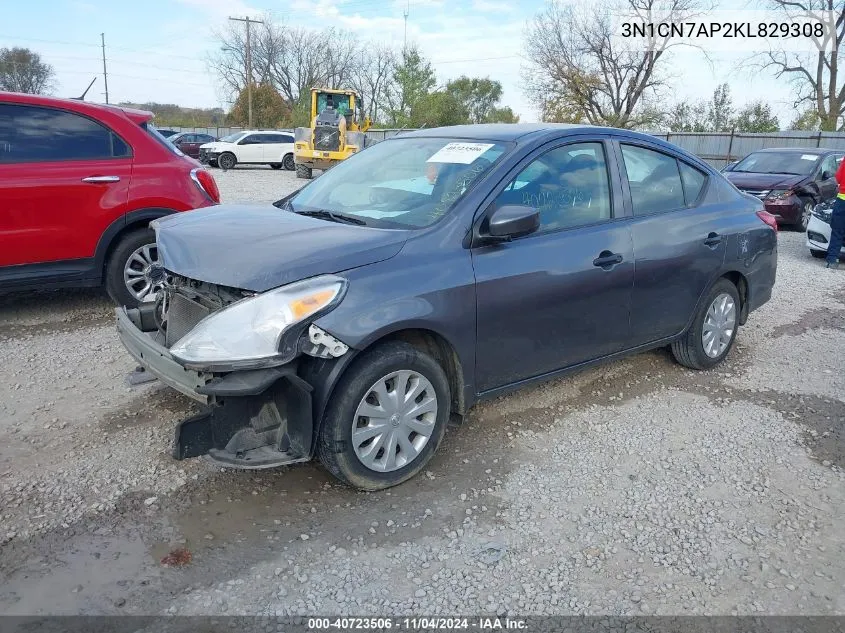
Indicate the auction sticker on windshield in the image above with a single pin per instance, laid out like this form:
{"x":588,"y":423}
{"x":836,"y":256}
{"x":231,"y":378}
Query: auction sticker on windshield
{"x":808,"y":157}
{"x":463,"y":153}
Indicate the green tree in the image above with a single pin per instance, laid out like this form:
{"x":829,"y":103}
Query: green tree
{"x":808,"y":120}
{"x":436,"y":109}
{"x":502,"y":115}
{"x":413,"y":79}
{"x":21,"y":70}
{"x":269,"y":109}
{"x":756,"y":117}
{"x":478,"y":96}
{"x":720,"y":113}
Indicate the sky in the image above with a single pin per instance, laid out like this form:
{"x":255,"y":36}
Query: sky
{"x":156,"y":49}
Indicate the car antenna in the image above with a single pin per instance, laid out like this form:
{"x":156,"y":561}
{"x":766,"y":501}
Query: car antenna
{"x":82,"y":96}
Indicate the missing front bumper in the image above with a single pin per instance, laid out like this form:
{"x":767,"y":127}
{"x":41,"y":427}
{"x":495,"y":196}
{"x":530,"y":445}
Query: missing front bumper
{"x":253,"y":419}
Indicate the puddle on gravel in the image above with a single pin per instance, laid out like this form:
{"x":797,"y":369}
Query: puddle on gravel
{"x":815,"y":319}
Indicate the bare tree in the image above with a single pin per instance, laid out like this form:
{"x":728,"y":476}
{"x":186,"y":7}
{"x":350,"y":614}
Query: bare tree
{"x":816,"y":74}
{"x":372,"y":77}
{"x":581,"y":70}
{"x":21,"y":70}
{"x":291,"y":59}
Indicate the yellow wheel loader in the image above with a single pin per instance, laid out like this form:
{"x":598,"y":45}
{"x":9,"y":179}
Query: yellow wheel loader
{"x":337,"y":131}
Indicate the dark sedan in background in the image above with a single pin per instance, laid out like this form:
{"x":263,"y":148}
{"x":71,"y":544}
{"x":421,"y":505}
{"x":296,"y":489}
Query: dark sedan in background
{"x":790,"y":181}
{"x":356,"y":316}
{"x":189,"y":142}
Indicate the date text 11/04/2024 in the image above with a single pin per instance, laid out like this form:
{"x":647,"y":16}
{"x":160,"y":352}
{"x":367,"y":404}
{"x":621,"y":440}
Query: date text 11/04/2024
{"x":417,"y":624}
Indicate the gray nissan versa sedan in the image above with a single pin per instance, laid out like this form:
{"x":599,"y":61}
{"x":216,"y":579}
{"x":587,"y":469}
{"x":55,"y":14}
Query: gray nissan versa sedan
{"x":355,"y":317}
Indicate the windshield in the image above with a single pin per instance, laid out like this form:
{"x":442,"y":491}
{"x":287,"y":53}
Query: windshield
{"x":401,"y":182}
{"x":796,"y":163}
{"x":233,"y":138}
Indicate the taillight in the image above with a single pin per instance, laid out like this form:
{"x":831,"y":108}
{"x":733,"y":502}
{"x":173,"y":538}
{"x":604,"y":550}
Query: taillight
{"x":767,"y":217}
{"x":205,"y":182}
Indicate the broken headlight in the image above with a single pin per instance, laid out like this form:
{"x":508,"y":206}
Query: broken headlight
{"x":253,"y":332}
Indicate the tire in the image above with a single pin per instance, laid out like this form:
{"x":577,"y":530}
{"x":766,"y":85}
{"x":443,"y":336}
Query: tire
{"x":116,"y":285}
{"x":807,"y":207}
{"x":288,"y":162}
{"x":275,"y":165}
{"x":689,"y":350}
{"x":227,"y":161}
{"x":213,"y":163}
{"x":303,"y":171}
{"x":335,"y":445}
{"x":818,"y":254}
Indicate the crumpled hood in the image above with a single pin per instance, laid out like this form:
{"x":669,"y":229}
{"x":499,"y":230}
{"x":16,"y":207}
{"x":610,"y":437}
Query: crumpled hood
{"x":760,"y":182}
{"x":259,"y":248}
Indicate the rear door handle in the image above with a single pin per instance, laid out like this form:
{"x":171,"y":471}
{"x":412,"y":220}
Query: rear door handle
{"x":101,"y":179}
{"x":606,"y":260}
{"x":713,"y":239}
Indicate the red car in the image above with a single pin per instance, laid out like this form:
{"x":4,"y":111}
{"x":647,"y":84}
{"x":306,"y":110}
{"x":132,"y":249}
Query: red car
{"x":79,"y":185}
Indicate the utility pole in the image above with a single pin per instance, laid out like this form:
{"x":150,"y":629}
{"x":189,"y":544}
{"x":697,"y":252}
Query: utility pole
{"x":248,"y":64}
{"x":105,"y":73}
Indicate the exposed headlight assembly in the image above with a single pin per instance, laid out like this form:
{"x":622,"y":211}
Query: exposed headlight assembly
{"x":259,"y":331}
{"x":780,"y":194}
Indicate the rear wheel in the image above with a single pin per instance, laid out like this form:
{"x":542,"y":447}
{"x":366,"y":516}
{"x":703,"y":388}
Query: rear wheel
{"x":713,"y":332}
{"x":227,"y":161}
{"x":386,"y":417}
{"x":289,"y":163}
{"x":303,"y":171}
{"x":133,"y":272}
{"x":276,"y":165}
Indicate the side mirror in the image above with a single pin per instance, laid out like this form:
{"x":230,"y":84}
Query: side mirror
{"x":826,"y":175}
{"x":513,"y":221}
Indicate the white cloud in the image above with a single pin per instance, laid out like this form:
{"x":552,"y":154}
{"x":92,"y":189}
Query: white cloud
{"x":492,"y":6}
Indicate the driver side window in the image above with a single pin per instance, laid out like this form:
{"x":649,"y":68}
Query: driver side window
{"x":828,"y":167}
{"x":568,"y":185}
{"x":654,"y":180}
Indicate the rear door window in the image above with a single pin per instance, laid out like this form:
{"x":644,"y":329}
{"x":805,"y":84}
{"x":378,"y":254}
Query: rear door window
{"x":693,"y":180}
{"x":654,"y":180}
{"x":38,"y":134}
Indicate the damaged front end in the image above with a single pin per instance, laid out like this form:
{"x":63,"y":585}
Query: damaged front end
{"x":238,"y":353}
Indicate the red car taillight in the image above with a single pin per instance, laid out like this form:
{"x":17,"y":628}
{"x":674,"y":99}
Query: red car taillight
{"x":205,"y":182}
{"x":767,"y":217}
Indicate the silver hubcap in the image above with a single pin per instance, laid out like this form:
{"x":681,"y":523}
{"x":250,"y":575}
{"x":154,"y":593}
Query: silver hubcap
{"x":805,"y":216}
{"x":719,"y":325}
{"x":394,"y":421}
{"x":143,"y":274}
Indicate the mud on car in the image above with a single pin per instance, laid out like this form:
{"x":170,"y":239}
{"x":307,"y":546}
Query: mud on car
{"x":354,"y":318}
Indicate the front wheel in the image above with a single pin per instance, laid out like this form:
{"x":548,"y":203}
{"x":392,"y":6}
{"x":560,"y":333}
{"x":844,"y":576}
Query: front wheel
{"x":807,"y":207}
{"x":713,"y":332}
{"x":289,"y":163}
{"x":227,"y":161}
{"x":386,"y":417}
{"x":818,"y":254}
{"x":303,"y":171}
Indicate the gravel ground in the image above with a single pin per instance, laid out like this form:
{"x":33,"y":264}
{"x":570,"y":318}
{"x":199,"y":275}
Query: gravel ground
{"x":635,"y":487}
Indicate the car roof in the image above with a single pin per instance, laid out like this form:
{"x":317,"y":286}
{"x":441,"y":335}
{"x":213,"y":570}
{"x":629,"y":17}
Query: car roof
{"x":521,"y":132}
{"x":135,"y":115}
{"x":797,"y":150}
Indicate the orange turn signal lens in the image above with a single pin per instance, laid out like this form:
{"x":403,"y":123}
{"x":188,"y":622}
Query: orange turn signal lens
{"x":305,"y":306}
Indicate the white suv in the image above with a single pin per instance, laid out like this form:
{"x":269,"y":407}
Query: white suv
{"x":251,"y":147}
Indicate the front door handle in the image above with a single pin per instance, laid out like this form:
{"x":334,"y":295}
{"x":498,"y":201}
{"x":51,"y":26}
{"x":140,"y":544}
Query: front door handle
{"x":713,"y":240}
{"x":607,"y":260}
{"x":101,"y":179}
